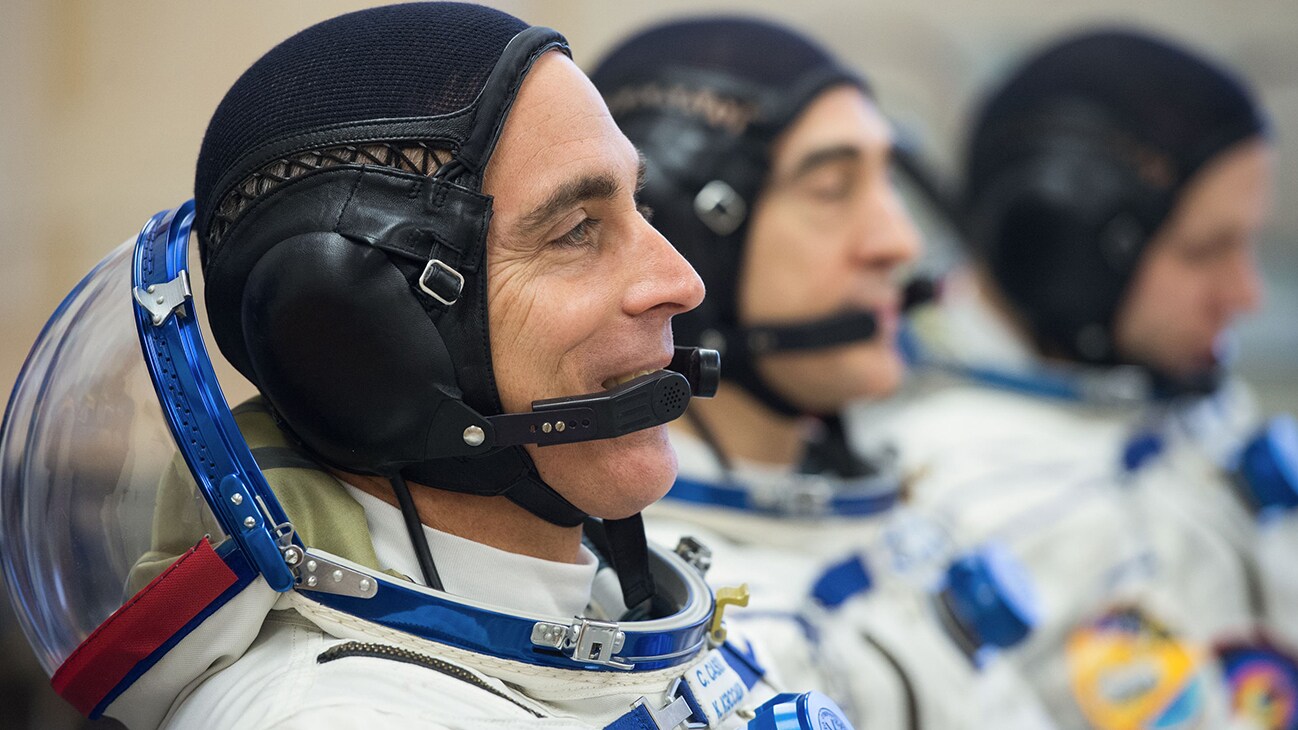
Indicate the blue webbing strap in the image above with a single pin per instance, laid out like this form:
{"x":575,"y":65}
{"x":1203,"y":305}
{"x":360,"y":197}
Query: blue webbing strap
{"x":641,"y":717}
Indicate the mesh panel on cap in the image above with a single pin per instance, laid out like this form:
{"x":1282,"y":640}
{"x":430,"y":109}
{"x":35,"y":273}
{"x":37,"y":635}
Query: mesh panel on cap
{"x":398,"y":61}
{"x":746,"y":48}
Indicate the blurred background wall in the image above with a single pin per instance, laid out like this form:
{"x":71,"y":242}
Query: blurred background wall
{"x":103,"y":105}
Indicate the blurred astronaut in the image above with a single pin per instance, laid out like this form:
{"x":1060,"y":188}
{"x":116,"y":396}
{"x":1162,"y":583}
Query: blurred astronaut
{"x":767,"y":165}
{"x":420,"y":241}
{"x":1074,"y":378}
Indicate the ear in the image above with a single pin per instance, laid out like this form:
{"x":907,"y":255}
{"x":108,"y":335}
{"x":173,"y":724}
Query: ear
{"x":343,"y":349}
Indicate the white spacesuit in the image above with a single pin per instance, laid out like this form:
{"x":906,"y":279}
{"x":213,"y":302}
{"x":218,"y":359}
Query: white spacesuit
{"x":1124,"y":543}
{"x":1064,"y":406}
{"x":205,"y":640}
{"x":843,"y":593}
{"x":341,"y":668}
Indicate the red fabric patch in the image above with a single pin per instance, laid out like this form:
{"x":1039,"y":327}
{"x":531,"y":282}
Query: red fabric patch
{"x":144,"y":623}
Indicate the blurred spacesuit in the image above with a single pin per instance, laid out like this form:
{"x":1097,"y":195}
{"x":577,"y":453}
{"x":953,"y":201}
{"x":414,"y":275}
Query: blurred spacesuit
{"x":1114,"y":185}
{"x":767,"y":166}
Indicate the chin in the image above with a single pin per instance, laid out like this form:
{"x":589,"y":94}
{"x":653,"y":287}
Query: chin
{"x":873,"y":371}
{"x":825,"y":382}
{"x":611,"y":478}
{"x":882,"y":371}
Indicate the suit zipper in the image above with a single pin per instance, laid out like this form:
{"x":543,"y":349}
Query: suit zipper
{"x":396,"y":654}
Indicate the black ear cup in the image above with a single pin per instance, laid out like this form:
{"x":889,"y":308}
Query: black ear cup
{"x":345,"y":352}
{"x":1062,"y":232}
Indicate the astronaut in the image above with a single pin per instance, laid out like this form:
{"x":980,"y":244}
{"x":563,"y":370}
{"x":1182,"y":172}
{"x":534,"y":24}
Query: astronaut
{"x":420,"y":241}
{"x":767,"y":165}
{"x":1113,"y":189}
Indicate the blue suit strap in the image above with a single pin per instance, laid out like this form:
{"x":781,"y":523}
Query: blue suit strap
{"x":1039,"y":384}
{"x":862,"y":503}
{"x":841,"y":581}
{"x":744,"y":662}
{"x":684,"y":706}
{"x":639,"y":718}
{"x":700,"y":492}
{"x":1140,"y":449}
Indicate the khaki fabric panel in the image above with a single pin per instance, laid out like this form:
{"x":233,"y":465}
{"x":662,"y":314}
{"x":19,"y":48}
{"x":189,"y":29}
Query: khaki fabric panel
{"x":323,"y":514}
{"x":180,"y":519}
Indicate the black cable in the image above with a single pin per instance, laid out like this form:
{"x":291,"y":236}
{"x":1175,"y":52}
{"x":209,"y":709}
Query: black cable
{"x":907,"y":687}
{"x":415,"y":529}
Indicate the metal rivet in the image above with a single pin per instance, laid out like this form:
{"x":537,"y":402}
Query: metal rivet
{"x":311,"y":565}
{"x":474,"y":436}
{"x":338,"y":576}
{"x":364,"y":585}
{"x":560,"y":426}
{"x":311,"y":580}
{"x":293,"y":555}
{"x":236,"y":498}
{"x":161,"y":300}
{"x":250,"y":521}
{"x":546,"y":427}
{"x":151,"y":288}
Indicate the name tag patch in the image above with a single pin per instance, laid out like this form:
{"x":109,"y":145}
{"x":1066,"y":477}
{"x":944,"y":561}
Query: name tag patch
{"x":713,"y":688}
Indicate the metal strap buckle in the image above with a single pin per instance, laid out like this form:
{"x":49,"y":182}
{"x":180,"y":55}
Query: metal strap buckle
{"x":585,"y":640}
{"x":437,"y":267}
{"x":698,"y":555}
{"x":318,"y":574}
{"x":807,"y":498}
{"x":672,"y":715}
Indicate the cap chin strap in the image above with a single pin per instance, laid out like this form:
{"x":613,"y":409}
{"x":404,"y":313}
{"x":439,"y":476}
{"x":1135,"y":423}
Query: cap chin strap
{"x":1202,"y":383}
{"x":744,"y":345}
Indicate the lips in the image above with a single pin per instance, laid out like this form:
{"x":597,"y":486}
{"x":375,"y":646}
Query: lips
{"x":632,"y":370}
{"x":617,"y":380}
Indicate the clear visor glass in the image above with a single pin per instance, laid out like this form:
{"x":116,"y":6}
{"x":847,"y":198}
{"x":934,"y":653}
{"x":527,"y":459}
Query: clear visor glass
{"x":95,"y":499}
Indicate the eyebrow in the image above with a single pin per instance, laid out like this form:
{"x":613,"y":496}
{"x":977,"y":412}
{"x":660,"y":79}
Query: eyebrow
{"x":596,"y":186}
{"x":824,"y":156}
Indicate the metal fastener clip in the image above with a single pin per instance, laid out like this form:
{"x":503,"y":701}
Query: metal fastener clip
{"x":160,"y":300}
{"x":585,"y":640}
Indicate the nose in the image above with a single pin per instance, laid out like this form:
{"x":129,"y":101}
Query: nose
{"x":664,"y":280}
{"x":888,"y":236}
{"x":1241,"y":290}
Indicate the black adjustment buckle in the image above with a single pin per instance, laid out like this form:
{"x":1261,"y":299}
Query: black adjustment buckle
{"x":441,"y":282}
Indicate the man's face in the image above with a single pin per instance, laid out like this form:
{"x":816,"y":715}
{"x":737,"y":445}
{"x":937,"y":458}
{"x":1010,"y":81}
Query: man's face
{"x":1200,"y":272}
{"x":581,"y":289}
{"x":828,"y":234}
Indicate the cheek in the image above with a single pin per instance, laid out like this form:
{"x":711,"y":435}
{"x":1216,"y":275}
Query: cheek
{"x":544,"y":333}
{"x":1169,"y":299}
{"x":530,"y":332}
{"x":792,"y":271}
